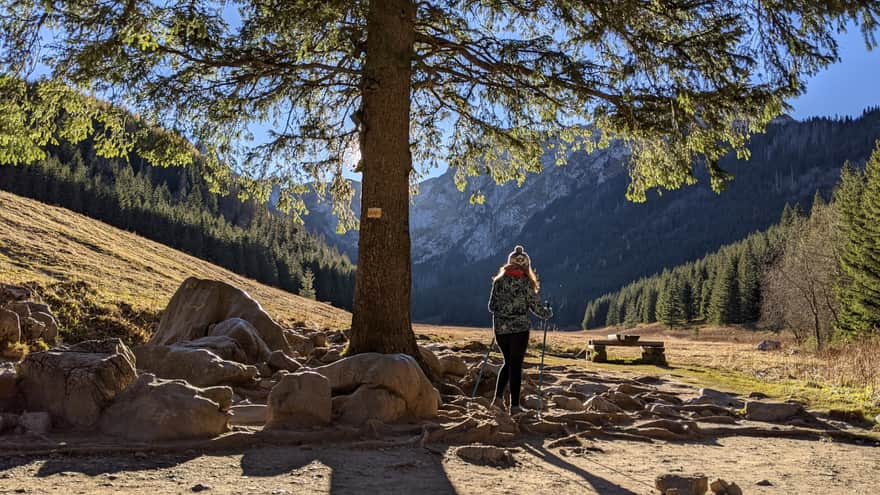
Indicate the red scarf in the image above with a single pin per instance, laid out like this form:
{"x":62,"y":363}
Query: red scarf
{"x":515,"y":271}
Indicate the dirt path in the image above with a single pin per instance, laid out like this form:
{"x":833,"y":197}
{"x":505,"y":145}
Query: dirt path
{"x":612,"y":468}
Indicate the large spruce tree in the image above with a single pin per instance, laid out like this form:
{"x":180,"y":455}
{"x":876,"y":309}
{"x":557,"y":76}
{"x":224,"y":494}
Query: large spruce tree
{"x":859,"y":286}
{"x":483,"y":85}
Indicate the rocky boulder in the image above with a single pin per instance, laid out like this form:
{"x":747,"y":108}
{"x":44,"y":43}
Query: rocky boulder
{"x":598,"y":403}
{"x":49,"y":331}
{"x":682,"y":485}
{"x":772,"y":411}
{"x":14,"y":293}
{"x":387,"y":387}
{"x":301,"y":399}
{"x":280,"y":361}
{"x":198,"y":366}
{"x":431,"y":361}
{"x":453,"y":365}
{"x":75,"y":385}
{"x":246,"y":336}
{"x":769,"y":345}
{"x":199,"y":303}
{"x":151,"y":409}
{"x":10,"y":327}
{"x":9,"y":398}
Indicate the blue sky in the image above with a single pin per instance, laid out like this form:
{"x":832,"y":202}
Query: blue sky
{"x":845,"y":88}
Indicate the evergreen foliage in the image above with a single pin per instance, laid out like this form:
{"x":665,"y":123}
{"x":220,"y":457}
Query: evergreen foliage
{"x":859,"y":286}
{"x":307,"y":287}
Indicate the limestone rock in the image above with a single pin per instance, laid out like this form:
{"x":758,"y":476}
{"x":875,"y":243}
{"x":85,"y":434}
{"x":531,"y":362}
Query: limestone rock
{"x":685,"y":485}
{"x":396,"y":374}
{"x":151,"y":409}
{"x":20,"y":308}
{"x":49,"y":332}
{"x":299,"y":400}
{"x":431,"y":361}
{"x":280,"y":361}
{"x":248,"y":414}
{"x":533,"y":402}
{"x":600,"y":404}
{"x":77,"y":384}
{"x":319,"y":339}
{"x":486,"y":455}
{"x":587,"y":388}
{"x":10,"y":327}
{"x":37,"y":423}
{"x":246,"y":336}
{"x":769,"y":345}
{"x":369,"y":403}
{"x":624,"y":401}
{"x":14,"y":293}
{"x":453,"y":365}
{"x":222,"y":395}
{"x":299,"y":343}
{"x":720,"y":398}
{"x":199,"y":367}
{"x":772,"y":411}
{"x":9,"y":398}
{"x":198,"y":304}
{"x":32,"y":329}
{"x":223,"y":346}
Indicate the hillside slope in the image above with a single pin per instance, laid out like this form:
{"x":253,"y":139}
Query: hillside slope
{"x":127,"y":278}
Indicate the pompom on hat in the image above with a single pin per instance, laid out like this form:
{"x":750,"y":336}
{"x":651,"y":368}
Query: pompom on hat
{"x":519,"y":257}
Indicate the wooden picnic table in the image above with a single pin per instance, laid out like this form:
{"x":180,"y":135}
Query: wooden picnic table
{"x":653,"y":352}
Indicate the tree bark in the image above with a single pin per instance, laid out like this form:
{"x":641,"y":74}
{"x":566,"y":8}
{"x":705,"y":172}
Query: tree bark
{"x":381,"y":320}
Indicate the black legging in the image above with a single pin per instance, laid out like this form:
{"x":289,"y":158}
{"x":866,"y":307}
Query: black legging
{"x":513,"y":346}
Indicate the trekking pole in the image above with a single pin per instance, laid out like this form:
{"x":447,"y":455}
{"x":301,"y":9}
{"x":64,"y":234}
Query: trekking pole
{"x":541,"y":373}
{"x":482,"y":367}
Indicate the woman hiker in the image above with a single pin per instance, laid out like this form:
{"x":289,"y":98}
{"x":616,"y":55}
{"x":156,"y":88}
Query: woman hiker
{"x":514,"y":295}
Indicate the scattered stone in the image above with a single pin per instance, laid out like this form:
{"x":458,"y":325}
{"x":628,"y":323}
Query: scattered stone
{"x":245,"y":336}
{"x":8,"y":386}
{"x":77,"y":384}
{"x":664,"y":410}
{"x":453,"y":365}
{"x":685,"y":485}
{"x":772,"y":411}
{"x":199,"y":367}
{"x":769,"y":345}
{"x":281,"y":361}
{"x":224,"y":347}
{"x":14,"y":293}
{"x":588,"y":389}
{"x":300,"y":399}
{"x":10,"y":327}
{"x":222,"y":395}
{"x":31,"y":329}
{"x":375,"y":378}
{"x":250,"y":414}
{"x":757,"y":395}
{"x":431,"y":360}
{"x":568,"y":403}
{"x":151,"y":409}
{"x":624,"y":401}
{"x":486,"y":455}
{"x":763,"y":483}
{"x":199,"y":303}
{"x":719,"y":398}
{"x":599,"y":404}
{"x":319,"y":339}
{"x":533,"y":402}
{"x":49,"y":332}
{"x":299,"y":343}
{"x":331,"y":356}
{"x":200,"y":487}
{"x":629,"y":389}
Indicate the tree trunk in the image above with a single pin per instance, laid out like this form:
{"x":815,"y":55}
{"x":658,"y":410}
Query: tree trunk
{"x":381,"y":320}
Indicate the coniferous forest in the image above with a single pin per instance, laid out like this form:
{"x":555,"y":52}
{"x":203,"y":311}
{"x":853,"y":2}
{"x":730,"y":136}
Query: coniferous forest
{"x":815,"y":273}
{"x":174,"y":206}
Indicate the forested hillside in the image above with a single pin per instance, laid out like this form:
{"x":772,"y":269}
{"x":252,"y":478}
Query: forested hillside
{"x":816,"y":274}
{"x":174,"y":206}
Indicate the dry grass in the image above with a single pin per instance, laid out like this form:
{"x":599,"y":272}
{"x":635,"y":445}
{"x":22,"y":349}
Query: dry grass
{"x":103,"y":280}
{"x":725,"y":358}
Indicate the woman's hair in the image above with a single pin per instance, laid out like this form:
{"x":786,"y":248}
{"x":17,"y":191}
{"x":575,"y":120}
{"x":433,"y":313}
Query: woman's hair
{"x":533,"y":277}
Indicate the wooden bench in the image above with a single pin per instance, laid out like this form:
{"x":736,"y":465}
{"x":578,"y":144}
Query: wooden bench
{"x":652,"y":352}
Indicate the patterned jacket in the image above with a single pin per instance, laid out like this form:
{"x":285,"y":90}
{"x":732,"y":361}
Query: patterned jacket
{"x":511,"y":301}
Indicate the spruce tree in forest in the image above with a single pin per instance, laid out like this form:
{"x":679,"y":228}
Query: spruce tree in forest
{"x":481,"y":85}
{"x":749,"y":289}
{"x":859,"y":287}
{"x":671,"y":304}
{"x":307,"y":285}
{"x":724,"y":303}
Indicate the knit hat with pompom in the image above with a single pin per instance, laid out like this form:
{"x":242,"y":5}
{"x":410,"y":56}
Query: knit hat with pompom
{"x":519,"y":257}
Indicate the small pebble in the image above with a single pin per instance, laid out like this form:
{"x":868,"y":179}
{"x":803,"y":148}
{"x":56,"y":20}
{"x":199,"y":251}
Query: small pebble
{"x":200,"y":487}
{"x":764,"y":483}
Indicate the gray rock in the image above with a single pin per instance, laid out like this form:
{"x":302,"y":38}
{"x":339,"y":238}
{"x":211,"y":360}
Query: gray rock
{"x":151,"y":409}
{"x":75,"y":385}
{"x":664,"y":410}
{"x":281,"y":361}
{"x":624,"y":401}
{"x":198,"y":304}
{"x":568,"y":403}
{"x":8,"y":421}
{"x":299,"y":400}
{"x":588,"y":388}
{"x":8,"y":388}
{"x":486,"y":455}
{"x":685,"y":485}
{"x":249,"y":414}
{"x":319,"y":339}
{"x":10,"y":327}
{"x":38,"y":423}
{"x":50,"y":332}
{"x":246,"y":336}
{"x":14,"y":293}
{"x":769,"y":345}
{"x":199,"y":367}
{"x":299,"y":343}
{"x":533,"y":402}
{"x":453,"y":365}
{"x":222,"y":395}
{"x":431,"y":360}
{"x":772,"y":411}
{"x":223,"y":346}
{"x":719,"y":398}
{"x":32,"y":329}
{"x":598,"y":403}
